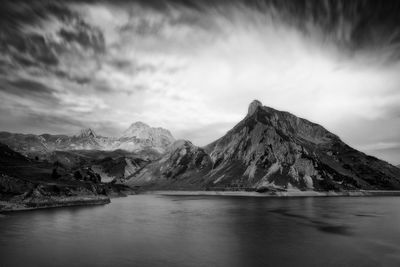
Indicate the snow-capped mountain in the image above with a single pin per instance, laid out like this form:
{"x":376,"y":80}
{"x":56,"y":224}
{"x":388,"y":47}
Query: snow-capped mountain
{"x":270,"y":150}
{"x":137,"y":137}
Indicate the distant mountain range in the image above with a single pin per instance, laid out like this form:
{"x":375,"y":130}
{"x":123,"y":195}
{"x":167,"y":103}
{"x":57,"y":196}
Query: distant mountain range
{"x":139,"y":136}
{"x":268,"y":150}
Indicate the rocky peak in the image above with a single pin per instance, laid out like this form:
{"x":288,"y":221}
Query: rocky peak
{"x":139,"y":124}
{"x":156,"y":137}
{"x":253,"y":107}
{"x":137,"y":129}
{"x":87,"y":133}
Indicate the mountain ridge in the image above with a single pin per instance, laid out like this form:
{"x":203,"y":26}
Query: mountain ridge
{"x":276,"y":150}
{"x":143,"y":137}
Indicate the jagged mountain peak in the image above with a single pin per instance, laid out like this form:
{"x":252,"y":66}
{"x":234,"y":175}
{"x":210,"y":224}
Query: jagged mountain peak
{"x":87,"y":133}
{"x":142,"y":130}
{"x":286,"y":123}
{"x":253,"y":107}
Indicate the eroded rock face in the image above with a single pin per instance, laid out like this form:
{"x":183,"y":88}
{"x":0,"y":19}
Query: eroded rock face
{"x":270,"y":150}
{"x":253,"y":107}
{"x":277,"y":150}
{"x":87,"y":133}
{"x":181,"y":167}
{"x":140,"y":134}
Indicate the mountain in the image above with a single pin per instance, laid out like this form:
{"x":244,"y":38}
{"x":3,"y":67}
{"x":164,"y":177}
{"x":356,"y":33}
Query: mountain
{"x":184,"y":166}
{"x":270,"y":150}
{"x":138,"y":137}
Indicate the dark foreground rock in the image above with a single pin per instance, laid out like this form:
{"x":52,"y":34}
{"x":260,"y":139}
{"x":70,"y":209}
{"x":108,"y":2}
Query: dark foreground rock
{"x":21,"y":194}
{"x":53,"y":202}
{"x":30,"y":184}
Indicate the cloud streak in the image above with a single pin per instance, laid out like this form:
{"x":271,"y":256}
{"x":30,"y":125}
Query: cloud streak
{"x":193,"y":66}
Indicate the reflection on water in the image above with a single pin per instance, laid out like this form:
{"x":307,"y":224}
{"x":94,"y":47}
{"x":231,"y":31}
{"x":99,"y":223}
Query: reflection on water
{"x":149,"y":230}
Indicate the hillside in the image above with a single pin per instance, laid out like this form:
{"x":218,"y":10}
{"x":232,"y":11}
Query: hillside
{"x":271,"y":150}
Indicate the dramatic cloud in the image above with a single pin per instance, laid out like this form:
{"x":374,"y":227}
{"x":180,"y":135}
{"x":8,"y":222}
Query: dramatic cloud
{"x":193,"y":66}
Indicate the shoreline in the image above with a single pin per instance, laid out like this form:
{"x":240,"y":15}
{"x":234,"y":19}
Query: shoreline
{"x":58,"y":202}
{"x":280,"y":194}
{"x":53,"y":202}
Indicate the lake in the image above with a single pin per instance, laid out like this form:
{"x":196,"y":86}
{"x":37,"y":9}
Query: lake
{"x":154,"y":230}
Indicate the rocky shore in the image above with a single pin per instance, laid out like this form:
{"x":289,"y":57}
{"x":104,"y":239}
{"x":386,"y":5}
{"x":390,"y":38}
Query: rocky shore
{"x":19,"y":194}
{"x":53,"y":202}
{"x":294,"y":193}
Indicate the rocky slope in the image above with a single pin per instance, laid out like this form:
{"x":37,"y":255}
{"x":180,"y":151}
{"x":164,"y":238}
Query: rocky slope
{"x":184,"y":166}
{"x":117,"y":170}
{"x":138,"y":137}
{"x":112,"y":166}
{"x":22,"y":194}
{"x":27,"y":183}
{"x":271,"y":150}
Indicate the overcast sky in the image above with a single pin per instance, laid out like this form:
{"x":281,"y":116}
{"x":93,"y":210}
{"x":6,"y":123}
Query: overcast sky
{"x":194,"y":66}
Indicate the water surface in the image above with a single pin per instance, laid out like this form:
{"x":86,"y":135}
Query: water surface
{"x":153,"y":230}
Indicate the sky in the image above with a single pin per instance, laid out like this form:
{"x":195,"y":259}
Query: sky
{"x":194,"y":66}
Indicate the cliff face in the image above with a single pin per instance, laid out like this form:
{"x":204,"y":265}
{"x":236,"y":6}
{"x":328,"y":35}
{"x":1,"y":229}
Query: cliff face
{"x":275,"y":150}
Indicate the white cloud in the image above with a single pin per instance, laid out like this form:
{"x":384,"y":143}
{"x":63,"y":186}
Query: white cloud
{"x":195,"y":73}
{"x":220,"y":72}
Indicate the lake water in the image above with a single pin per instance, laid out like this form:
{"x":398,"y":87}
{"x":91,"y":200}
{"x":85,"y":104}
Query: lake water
{"x":153,"y":230}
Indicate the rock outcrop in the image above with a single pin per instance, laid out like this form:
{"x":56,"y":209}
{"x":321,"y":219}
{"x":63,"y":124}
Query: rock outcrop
{"x":87,"y":133}
{"x":27,"y":183}
{"x":21,"y":194}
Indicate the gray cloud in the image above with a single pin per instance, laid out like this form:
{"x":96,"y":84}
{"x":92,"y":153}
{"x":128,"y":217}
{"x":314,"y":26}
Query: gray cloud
{"x":30,"y":48}
{"x":25,"y":88}
{"x":193,"y":66}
